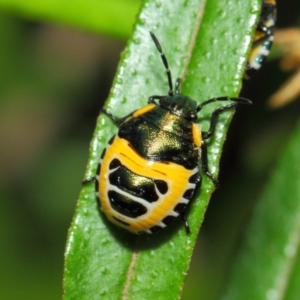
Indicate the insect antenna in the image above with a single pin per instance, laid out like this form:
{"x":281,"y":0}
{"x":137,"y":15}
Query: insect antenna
{"x":165,"y":62}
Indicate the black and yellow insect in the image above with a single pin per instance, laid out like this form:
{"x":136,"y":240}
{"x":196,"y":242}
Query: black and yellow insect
{"x":149,"y":171}
{"x":263,"y":38}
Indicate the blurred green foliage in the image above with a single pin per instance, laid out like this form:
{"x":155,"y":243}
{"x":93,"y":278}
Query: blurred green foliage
{"x":113,"y":17}
{"x":50,"y":78}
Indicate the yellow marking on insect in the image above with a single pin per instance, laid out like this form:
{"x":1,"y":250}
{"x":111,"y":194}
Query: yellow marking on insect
{"x":273,"y":2}
{"x":176,"y":177}
{"x":143,"y":110}
{"x":197,"y":137}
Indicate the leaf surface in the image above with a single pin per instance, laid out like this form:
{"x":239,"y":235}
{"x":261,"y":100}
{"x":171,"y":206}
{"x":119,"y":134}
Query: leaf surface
{"x":206,"y":43}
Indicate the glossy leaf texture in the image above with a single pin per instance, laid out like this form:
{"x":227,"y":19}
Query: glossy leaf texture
{"x":106,"y":17}
{"x":267,"y":266}
{"x":206,"y":43}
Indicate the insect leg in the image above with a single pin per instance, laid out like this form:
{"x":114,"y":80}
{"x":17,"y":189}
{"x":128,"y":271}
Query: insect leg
{"x":204,"y":163}
{"x":186,"y":224}
{"x":214,"y":120}
{"x":215,"y":114}
{"x":155,"y":97}
{"x":117,"y":121}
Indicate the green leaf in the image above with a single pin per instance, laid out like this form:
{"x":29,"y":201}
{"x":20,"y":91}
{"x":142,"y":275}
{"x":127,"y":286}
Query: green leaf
{"x":269,"y":260}
{"x":113,"y":17}
{"x":206,"y":43}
